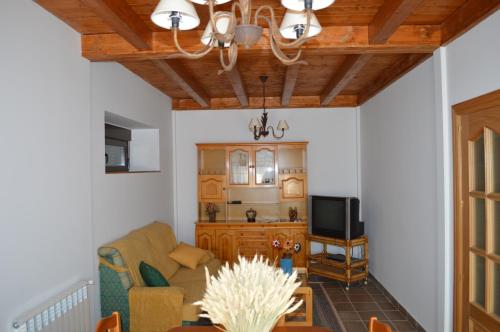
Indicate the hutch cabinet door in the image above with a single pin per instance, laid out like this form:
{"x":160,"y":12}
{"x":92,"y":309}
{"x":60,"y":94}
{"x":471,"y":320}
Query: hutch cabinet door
{"x":300,"y":236}
{"x":293,"y":187}
{"x":266,"y":167}
{"x":225,"y":246}
{"x":239,"y":166}
{"x":212,"y":188}
{"x":205,"y":239}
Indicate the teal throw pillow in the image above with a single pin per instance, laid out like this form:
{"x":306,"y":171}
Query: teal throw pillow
{"x":151,"y":276}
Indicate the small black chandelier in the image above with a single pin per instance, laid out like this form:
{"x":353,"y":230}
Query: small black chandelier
{"x":259,"y":127}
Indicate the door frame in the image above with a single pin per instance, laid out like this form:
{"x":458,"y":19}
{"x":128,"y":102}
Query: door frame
{"x":482,"y":103}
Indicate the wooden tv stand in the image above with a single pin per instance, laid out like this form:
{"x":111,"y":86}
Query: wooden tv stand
{"x":346,"y":270}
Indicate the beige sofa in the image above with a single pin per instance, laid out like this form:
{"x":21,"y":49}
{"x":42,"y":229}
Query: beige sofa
{"x":150,"y":309}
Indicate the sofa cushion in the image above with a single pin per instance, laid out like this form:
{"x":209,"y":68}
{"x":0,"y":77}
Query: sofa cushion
{"x":151,"y":244}
{"x":162,"y":241}
{"x":185,"y":276}
{"x":187,"y":255}
{"x":151,"y":276}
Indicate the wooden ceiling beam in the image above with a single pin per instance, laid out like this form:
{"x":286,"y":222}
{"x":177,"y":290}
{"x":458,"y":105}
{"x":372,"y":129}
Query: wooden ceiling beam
{"x":238,"y":87}
{"x":466,"y":17}
{"x":176,"y":73}
{"x":349,"y":68}
{"x":122,"y":18}
{"x":129,"y":26}
{"x":388,"y":76}
{"x":333,"y":40}
{"x":271,"y":103}
{"x":382,"y":28}
{"x":291,"y":75}
{"x":388,"y":19}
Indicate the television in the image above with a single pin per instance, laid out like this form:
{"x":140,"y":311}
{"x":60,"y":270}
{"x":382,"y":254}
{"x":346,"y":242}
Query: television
{"x":336,"y":217}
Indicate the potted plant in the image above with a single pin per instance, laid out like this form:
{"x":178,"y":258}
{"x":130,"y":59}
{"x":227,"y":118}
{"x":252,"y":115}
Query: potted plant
{"x":211,"y":209}
{"x":286,"y":253}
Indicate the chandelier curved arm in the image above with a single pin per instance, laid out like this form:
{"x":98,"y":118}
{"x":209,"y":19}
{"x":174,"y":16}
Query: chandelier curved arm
{"x":244,"y":7}
{"x":274,"y":134}
{"x":284,"y":58}
{"x":232,"y":54}
{"x":274,"y":30}
{"x":190,"y":55}
{"x":279,"y":53}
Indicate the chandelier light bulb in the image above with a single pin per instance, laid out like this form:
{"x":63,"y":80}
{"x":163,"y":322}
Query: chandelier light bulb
{"x":300,"y":5}
{"x":179,"y":14}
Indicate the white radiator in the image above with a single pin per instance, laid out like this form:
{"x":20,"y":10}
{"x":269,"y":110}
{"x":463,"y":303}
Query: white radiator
{"x":67,"y":312}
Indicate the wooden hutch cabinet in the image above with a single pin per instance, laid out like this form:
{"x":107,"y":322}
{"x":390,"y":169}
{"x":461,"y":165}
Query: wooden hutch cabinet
{"x":269,"y":178}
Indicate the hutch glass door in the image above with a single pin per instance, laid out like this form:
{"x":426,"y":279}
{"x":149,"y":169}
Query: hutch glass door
{"x":265,"y":166}
{"x":239,"y":166}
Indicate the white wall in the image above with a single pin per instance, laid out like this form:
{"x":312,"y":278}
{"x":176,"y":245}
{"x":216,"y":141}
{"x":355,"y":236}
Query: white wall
{"x":400,"y":228}
{"x":332,"y":150}
{"x":45,"y":234}
{"x":473,"y":61}
{"x":399,"y":193}
{"x":57,"y":203}
{"x":121,"y":202}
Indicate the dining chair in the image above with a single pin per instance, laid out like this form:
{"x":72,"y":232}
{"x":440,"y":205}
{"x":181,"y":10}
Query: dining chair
{"x":376,"y":326}
{"x":110,"y":323}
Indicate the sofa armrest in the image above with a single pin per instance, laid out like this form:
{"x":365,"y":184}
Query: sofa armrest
{"x":155,"y":309}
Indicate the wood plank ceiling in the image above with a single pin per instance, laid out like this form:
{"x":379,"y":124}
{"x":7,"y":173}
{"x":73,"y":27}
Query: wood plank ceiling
{"x":364,"y":46}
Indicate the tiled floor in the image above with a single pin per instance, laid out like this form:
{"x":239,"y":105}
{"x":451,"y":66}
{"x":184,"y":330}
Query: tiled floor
{"x":360,"y":302}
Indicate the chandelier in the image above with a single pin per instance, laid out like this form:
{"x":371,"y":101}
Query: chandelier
{"x":259,"y":127}
{"x":226,"y":30}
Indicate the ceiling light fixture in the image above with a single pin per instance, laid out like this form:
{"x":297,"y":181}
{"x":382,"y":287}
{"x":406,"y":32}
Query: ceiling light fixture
{"x":228,"y":29}
{"x":259,"y":127}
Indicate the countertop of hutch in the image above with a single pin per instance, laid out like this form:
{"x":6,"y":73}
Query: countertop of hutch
{"x":256,"y":224}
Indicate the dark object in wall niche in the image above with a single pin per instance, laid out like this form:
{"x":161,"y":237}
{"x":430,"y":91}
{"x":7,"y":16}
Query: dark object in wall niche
{"x":117,"y":148}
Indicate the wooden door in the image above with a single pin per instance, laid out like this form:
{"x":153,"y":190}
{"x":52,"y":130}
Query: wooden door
{"x":265,"y":166}
{"x":239,"y":166}
{"x":212,"y":188}
{"x":293,"y":187}
{"x":477,"y":214}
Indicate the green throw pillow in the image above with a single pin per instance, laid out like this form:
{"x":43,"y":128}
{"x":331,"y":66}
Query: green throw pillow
{"x":151,"y":276}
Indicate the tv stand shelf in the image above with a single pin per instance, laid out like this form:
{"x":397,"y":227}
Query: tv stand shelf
{"x":347,"y":270}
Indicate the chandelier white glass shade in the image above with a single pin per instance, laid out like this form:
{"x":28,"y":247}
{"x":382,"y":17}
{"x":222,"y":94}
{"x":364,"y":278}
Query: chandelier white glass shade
{"x":294,"y":25}
{"x":222,"y":24}
{"x":167,"y":11}
{"x":299,"y":5}
{"x":227,"y":30}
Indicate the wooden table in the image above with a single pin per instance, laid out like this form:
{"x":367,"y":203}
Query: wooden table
{"x":277,"y":329}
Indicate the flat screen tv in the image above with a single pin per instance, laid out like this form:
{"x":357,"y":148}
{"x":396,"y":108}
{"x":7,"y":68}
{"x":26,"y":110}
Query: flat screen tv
{"x":336,"y":217}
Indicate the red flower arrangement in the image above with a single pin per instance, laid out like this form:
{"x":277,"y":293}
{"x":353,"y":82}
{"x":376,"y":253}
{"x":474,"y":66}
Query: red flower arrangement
{"x":288,"y":248}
